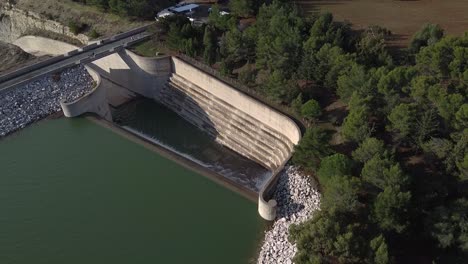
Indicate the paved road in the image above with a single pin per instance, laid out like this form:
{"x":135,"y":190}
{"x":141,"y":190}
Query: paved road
{"x":108,"y":47}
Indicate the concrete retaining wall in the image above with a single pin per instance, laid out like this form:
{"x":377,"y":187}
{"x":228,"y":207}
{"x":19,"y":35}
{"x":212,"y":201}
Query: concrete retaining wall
{"x":93,"y":102}
{"x":242,"y":102}
{"x":141,"y":75}
{"x":226,"y":123}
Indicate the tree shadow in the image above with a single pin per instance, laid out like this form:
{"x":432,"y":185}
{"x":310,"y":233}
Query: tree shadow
{"x":336,"y":112}
{"x":287,"y":207}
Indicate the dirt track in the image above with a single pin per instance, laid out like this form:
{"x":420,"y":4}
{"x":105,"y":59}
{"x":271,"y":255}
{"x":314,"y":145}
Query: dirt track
{"x":403,"y":18}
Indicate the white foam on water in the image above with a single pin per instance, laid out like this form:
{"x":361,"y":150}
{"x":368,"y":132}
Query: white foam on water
{"x":158,"y":142}
{"x":240,"y":178}
{"x":261,"y":181}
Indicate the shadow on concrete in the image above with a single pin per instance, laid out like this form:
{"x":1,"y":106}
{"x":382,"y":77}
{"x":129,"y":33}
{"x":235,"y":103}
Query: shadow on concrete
{"x":185,"y":106}
{"x":155,"y":85}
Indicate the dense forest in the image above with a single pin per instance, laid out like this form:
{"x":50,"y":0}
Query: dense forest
{"x":394,"y":185}
{"x":391,"y":160}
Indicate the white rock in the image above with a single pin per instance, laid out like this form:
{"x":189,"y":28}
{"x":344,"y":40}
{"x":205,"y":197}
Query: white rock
{"x":297,"y":201}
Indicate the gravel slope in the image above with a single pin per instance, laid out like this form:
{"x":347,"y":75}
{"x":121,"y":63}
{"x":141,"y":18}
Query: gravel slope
{"x":297,"y":201}
{"x":41,"y":98}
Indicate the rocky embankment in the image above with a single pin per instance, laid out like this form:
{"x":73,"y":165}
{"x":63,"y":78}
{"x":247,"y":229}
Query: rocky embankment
{"x":41,"y":98}
{"x":297,"y":200}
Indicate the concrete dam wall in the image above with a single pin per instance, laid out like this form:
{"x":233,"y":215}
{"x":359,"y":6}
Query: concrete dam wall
{"x":229,"y":116}
{"x":238,"y":121}
{"x":93,"y":102}
{"x":144,"y":76}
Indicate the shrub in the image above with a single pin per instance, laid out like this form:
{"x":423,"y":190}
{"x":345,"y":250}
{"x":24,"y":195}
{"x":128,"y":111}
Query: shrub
{"x":368,"y":149}
{"x":428,"y":35}
{"x":94,"y":34}
{"x":334,"y":165}
{"x":76,"y":27}
{"x":248,"y":76}
{"x":296,"y":104}
{"x":311,"y":110}
{"x":312,"y":147}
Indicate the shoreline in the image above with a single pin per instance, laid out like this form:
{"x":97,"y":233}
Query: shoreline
{"x":40,"y":99}
{"x":293,"y":189}
{"x":53,"y":116}
{"x":178,"y":158}
{"x":272,"y":245}
{"x":297,"y":200}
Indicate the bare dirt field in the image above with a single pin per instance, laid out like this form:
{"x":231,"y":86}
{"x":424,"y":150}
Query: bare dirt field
{"x":65,"y":11}
{"x":403,"y":18}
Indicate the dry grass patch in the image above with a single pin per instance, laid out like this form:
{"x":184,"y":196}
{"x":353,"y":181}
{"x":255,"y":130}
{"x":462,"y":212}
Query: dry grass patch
{"x":65,"y":11}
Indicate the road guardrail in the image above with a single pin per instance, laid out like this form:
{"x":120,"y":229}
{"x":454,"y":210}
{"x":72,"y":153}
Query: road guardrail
{"x":48,"y":62}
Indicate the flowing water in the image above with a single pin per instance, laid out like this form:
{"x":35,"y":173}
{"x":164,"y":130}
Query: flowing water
{"x":72,"y":191}
{"x":149,"y":118}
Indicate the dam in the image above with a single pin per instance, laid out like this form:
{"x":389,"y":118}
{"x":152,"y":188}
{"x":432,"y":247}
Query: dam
{"x":88,"y":190}
{"x":229,"y":116}
{"x":163,"y":126}
{"x":215,"y":152}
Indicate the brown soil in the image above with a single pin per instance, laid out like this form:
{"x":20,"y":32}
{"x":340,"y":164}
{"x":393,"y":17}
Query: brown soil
{"x":12,"y":56}
{"x":403,"y":18}
{"x":65,"y":11}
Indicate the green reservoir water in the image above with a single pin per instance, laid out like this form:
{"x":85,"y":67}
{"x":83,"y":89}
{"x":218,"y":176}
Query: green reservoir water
{"x":154,"y":120}
{"x":72,"y":191}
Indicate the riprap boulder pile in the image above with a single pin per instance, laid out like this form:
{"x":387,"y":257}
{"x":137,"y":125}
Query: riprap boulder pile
{"x":41,"y":98}
{"x":297,"y":201}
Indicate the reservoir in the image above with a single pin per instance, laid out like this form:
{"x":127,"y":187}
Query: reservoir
{"x":72,"y":191}
{"x":153,"y":120}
